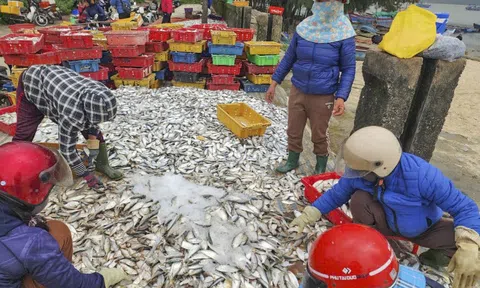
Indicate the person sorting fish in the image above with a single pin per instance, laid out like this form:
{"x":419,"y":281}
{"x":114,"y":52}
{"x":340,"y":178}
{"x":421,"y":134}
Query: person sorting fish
{"x":35,"y":252}
{"x":400,"y":194}
{"x":322,"y":48}
{"x":76,"y":104}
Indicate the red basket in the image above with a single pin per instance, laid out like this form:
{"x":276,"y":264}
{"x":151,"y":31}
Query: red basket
{"x":105,"y":28}
{"x":157,"y":34}
{"x":232,"y":86}
{"x":275,"y":10}
{"x":144,"y":60}
{"x":243,"y":34}
{"x":42,"y":58}
{"x":187,"y":35}
{"x":196,"y":67}
{"x":44,"y":4}
{"x":77,"y":40}
{"x":230,"y":70}
{"x":254,"y":69}
{"x":8,"y":128}
{"x":126,"y":38}
{"x":100,"y":75}
{"x":127,"y":51}
{"x":111,"y":68}
{"x":223,"y":79}
{"x":207,"y":28}
{"x":21,"y":43}
{"x":18,"y":28}
{"x":52,"y":33}
{"x":134,"y":73}
{"x":156,"y":47}
{"x":80,"y":54}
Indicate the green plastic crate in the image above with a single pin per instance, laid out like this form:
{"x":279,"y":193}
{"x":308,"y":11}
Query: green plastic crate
{"x":224,"y":60}
{"x":264,"y":60}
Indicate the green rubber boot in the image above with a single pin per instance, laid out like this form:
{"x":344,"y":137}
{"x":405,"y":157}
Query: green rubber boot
{"x":321,"y":164}
{"x":292,"y":163}
{"x":102,"y":165}
{"x":434,"y":258}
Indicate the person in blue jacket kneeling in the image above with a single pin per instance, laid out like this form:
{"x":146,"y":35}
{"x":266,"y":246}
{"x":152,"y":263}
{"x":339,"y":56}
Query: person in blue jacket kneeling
{"x":322,"y":48}
{"x":401,"y":194}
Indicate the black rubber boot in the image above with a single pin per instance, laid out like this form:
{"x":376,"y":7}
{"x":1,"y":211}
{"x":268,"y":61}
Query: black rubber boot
{"x":434,"y":258}
{"x":102,"y":165}
{"x":321,"y":164}
{"x":292,"y":163}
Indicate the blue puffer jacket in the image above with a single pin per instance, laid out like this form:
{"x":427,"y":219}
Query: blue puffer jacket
{"x":118,"y":5}
{"x":30,"y":250}
{"x":415,"y":195}
{"x":317,"y":67}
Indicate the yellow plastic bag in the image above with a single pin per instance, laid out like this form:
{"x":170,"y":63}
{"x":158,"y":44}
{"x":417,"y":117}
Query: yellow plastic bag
{"x":412,"y":32}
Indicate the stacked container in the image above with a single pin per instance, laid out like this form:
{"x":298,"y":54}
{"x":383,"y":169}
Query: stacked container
{"x":187,"y":63}
{"x":158,"y":44}
{"x":263,"y":58}
{"x":134,"y":66}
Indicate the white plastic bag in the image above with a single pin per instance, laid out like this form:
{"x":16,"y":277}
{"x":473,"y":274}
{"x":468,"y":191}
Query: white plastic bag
{"x":446,"y":48}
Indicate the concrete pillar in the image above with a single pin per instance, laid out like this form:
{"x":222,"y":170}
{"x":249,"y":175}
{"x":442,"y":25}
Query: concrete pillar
{"x":247,"y":17}
{"x":219,"y":7}
{"x":233,"y":15}
{"x":277,"y":23}
{"x":262,"y":27}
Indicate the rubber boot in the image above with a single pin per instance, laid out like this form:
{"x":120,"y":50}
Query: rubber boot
{"x":102,"y":165}
{"x":434,"y":258}
{"x":292,"y":163}
{"x":321,"y":164}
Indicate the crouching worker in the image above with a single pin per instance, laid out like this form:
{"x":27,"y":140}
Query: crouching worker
{"x":76,"y":104}
{"x":354,"y":255}
{"x":400,"y":194}
{"x":35,"y":252}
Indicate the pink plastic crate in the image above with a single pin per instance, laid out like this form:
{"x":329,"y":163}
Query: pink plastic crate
{"x":243,"y":34}
{"x":77,"y":40}
{"x":207,"y":28}
{"x":157,"y":34}
{"x":126,"y":38}
{"x":127,"y":51}
{"x":187,"y":35}
{"x":21,"y":43}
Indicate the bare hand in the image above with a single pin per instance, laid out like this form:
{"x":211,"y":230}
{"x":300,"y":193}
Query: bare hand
{"x":270,"y":94}
{"x":339,"y":107}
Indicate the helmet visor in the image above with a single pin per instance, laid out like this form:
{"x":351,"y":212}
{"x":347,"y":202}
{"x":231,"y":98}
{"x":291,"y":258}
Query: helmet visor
{"x":59,"y":174}
{"x":309,"y":281}
{"x":408,"y":277}
{"x":347,"y":165}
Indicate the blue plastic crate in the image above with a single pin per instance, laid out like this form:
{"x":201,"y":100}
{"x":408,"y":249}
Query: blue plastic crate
{"x":182,"y":57}
{"x":8,"y":87}
{"x":442,"y":21}
{"x":160,"y":75}
{"x":226,"y":49}
{"x":249,"y":87}
{"x":83,"y":65}
{"x":106,"y":57}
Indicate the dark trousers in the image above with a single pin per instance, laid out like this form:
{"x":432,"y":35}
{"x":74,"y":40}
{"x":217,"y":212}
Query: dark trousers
{"x":367,"y":211}
{"x":123,"y":15}
{"x":166,"y":18}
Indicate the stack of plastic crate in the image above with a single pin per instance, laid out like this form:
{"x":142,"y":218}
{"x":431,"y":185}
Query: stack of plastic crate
{"x":224,"y":65}
{"x":158,"y":44}
{"x":263,"y":58}
{"x":187,"y":63}
{"x":134,"y":66}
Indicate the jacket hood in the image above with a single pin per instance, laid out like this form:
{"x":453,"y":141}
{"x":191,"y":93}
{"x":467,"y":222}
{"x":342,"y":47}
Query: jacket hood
{"x":100,"y":105}
{"x":8,"y":219}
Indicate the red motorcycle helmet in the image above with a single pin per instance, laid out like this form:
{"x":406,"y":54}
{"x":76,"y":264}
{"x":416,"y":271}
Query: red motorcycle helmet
{"x":29,"y":171}
{"x":352,"y":255}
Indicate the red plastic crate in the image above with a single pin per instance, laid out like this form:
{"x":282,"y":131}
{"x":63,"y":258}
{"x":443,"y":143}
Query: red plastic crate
{"x":196,"y":67}
{"x":19,"y":28}
{"x":80,"y":54}
{"x":207,"y":28}
{"x":232,"y":86}
{"x":77,"y":40}
{"x":105,"y":28}
{"x":254,"y":69}
{"x":157,"y":34}
{"x":100,"y":75}
{"x":52,"y":33}
{"x":21,"y":43}
{"x":8,"y":128}
{"x":188,"y":35}
{"x":145,"y":60}
{"x":223,"y":79}
{"x":134,"y":73}
{"x":276,"y":10}
{"x":230,"y":70}
{"x":45,"y":58}
{"x":127,"y":37}
{"x":156,"y":47}
{"x":243,"y":34}
{"x":127,"y":51}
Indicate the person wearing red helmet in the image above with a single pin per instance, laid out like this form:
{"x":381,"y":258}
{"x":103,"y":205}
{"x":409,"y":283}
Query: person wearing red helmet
{"x":35,"y":252}
{"x":401,"y":194}
{"x":336,"y":260}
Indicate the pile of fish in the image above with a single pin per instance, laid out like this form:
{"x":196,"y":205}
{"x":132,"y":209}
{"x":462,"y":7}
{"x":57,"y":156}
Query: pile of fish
{"x":242,"y":238}
{"x":8,"y":118}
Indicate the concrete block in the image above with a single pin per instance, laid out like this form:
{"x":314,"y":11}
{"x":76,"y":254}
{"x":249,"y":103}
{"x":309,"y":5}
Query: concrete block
{"x":233,"y":15}
{"x":247,"y":17}
{"x":262,"y":27}
{"x":277,"y":23}
{"x":219,"y":7}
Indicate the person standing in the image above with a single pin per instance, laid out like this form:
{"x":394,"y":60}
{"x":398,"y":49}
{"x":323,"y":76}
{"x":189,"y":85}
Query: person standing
{"x":322,"y":48}
{"x":167,"y":9}
{"x":123,"y":7}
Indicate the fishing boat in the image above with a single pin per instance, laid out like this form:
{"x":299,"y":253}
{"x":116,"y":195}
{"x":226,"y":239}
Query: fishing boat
{"x":424,"y":5}
{"x":473,"y":7}
{"x":363,"y":19}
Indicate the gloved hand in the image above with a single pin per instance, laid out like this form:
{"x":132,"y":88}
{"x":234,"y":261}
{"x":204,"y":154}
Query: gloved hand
{"x":465,"y":263}
{"x":310,"y":215}
{"x":112,"y":276}
{"x":93,"y":147}
{"x":93,"y":181}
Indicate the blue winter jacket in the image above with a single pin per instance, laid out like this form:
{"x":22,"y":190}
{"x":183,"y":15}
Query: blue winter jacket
{"x":414,"y":197}
{"x":316,"y":67}
{"x":30,"y":250}
{"x":118,"y":5}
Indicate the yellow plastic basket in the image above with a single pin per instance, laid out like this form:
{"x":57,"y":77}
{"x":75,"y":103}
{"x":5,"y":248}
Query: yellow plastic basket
{"x":157,"y":84}
{"x":15,"y":3}
{"x":224,"y":37}
{"x":162,"y":56}
{"x":13,"y":97}
{"x":15,"y":75}
{"x":172,"y":26}
{"x":260,"y":78}
{"x":199,"y":84}
{"x":66,"y":23}
{"x":158,"y":65}
{"x":240,"y":3}
{"x":148,"y":81}
{"x":262,"y":48}
{"x":198,"y":47}
{"x":242,"y":120}
{"x":128,"y":23}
